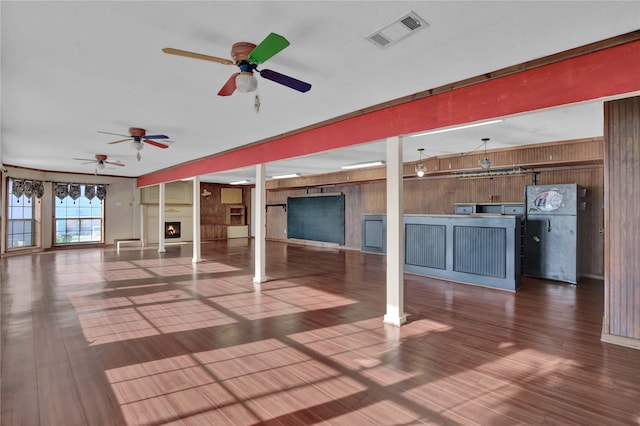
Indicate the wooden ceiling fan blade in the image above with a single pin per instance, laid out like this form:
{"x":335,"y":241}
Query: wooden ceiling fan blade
{"x":154,"y":143}
{"x":285,"y":80}
{"x":121,"y":140}
{"x":114,"y":163}
{"x":179,"y":52}
{"x":230,"y":86}
{"x":271,"y":45}
{"x":116,"y":134}
{"x":85,"y":161}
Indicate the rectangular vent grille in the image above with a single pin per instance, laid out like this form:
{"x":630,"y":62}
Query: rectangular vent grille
{"x":390,"y":34}
{"x":411,"y":23}
{"x":380,"y":39}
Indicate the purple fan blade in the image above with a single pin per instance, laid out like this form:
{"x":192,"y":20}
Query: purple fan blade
{"x":285,"y":80}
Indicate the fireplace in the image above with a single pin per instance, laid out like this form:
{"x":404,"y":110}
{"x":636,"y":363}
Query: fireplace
{"x":172,"y":229}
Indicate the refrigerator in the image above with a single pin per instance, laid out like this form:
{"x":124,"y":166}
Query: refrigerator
{"x":551,"y":232}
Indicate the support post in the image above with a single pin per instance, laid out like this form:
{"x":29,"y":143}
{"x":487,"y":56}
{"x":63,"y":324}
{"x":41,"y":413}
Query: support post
{"x":395,"y":235}
{"x":260,"y":226}
{"x":161,"y":204}
{"x":196,"y":220}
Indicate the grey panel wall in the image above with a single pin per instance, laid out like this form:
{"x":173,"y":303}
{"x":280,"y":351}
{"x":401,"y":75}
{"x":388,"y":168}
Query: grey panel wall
{"x":479,"y":250}
{"x":374,"y":233}
{"x":425,"y":245}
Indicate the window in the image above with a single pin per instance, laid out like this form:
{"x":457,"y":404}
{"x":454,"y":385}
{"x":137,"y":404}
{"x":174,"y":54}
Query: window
{"x":20,"y":219}
{"x":80,"y":220}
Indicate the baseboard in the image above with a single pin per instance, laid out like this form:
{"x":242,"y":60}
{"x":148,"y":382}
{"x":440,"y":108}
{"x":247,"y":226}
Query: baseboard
{"x":593,"y":276}
{"x":619,"y":340}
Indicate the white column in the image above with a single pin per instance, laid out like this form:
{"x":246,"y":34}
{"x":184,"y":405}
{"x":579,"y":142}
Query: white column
{"x":196,"y":220}
{"x":260,"y":226}
{"x":395,"y":235}
{"x":161,"y":248}
{"x":143,"y":224}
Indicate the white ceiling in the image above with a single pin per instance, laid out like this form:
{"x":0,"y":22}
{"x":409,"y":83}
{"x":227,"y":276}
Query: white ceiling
{"x":73,"y":68}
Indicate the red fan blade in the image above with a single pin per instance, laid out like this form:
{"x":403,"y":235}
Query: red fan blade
{"x":154,"y":143}
{"x":229,"y":87}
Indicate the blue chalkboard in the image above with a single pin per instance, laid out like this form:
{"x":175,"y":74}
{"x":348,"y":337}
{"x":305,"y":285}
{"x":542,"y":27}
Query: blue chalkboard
{"x":319,"y":218}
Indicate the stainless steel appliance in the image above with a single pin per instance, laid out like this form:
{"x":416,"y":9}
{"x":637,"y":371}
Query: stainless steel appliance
{"x":551,"y":229}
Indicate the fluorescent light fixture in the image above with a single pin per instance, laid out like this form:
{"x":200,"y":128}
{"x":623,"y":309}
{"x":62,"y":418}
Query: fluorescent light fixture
{"x":239,"y":182}
{"x":466,"y":126}
{"x":290,"y":175}
{"x":363,"y":165}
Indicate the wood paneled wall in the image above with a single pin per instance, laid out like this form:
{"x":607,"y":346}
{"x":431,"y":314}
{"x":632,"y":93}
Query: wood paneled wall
{"x":622,"y":180}
{"x":213,"y":212}
{"x":437,"y":194}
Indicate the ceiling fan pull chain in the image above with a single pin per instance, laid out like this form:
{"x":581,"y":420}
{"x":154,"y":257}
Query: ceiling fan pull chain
{"x":256,"y":103}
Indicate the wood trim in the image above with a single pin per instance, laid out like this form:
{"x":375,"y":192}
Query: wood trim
{"x":528,"y":157}
{"x":568,"y":77}
{"x":619,"y":340}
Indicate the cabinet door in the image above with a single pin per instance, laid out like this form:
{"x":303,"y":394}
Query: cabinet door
{"x":550,"y":247}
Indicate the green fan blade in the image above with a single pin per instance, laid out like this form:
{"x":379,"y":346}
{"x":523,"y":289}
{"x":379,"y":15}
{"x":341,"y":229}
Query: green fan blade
{"x":271,"y":45}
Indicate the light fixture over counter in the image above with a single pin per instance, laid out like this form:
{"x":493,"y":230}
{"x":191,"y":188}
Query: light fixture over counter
{"x":451,"y":129}
{"x":363,"y":165}
{"x":287,"y":176}
{"x":421,"y":169}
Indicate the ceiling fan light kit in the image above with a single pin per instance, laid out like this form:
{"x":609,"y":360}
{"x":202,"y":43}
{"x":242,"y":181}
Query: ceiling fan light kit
{"x":246,"y":82}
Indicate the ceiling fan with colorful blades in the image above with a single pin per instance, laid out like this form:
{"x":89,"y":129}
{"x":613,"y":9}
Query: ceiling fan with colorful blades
{"x":139,"y":137}
{"x":247,"y":57}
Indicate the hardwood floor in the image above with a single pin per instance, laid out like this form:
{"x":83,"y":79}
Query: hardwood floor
{"x":91,"y":337}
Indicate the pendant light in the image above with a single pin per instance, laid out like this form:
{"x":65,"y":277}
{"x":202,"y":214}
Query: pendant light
{"x":420,"y":168}
{"x":485,"y":163}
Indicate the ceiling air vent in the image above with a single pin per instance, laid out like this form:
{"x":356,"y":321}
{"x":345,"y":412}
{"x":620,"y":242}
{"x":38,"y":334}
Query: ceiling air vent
{"x":397,"y":30}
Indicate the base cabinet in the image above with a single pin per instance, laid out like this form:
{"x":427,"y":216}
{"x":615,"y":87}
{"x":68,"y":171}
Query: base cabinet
{"x":238,"y":231}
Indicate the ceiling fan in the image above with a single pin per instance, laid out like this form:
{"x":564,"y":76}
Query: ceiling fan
{"x":139,"y":137}
{"x":247,"y":57}
{"x":100,"y":161}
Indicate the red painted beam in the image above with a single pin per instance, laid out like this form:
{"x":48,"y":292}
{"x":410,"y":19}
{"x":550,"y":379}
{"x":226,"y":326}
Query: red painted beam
{"x":604,"y":73}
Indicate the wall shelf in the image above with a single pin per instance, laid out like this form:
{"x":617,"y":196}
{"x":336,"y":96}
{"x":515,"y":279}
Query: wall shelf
{"x":235,"y":214}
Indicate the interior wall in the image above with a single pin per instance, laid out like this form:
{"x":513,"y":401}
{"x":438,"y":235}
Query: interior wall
{"x":172,"y":213}
{"x":121,"y":206}
{"x":621,"y":323}
{"x":213,"y":212}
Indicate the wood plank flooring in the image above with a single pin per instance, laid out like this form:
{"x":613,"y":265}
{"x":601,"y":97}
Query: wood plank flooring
{"x":95,"y":337}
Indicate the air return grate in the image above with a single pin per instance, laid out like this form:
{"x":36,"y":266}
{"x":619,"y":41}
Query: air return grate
{"x":397,"y":30}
